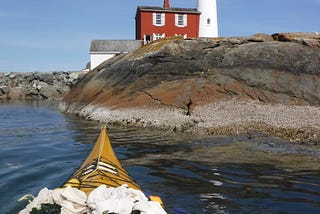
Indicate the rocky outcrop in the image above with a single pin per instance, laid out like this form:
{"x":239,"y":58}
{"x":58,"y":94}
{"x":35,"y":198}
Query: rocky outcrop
{"x":37,"y":85}
{"x":308,"y":39}
{"x":185,"y":75}
{"x":176,"y":72}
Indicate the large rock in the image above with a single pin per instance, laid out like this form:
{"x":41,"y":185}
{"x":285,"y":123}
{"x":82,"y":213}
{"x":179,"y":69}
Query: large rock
{"x":4,"y":89}
{"x":213,"y":86}
{"x":15,"y":93}
{"x":47,"y":78}
{"x":187,"y":73}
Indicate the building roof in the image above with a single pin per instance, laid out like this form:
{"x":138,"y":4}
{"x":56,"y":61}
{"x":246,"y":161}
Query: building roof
{"x":171,"y":9}
{"x":105,"y":46}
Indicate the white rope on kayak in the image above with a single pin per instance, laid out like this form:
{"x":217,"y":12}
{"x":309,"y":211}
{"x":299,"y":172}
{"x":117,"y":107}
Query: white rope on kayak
{"x":98,"y":159}
{"x":102,"y":166}
{"x":107,"y":167}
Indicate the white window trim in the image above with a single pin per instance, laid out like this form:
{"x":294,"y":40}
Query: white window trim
{"x":185,"y":20}
{"x":184,"y":35}
{"x":157,"y":36}
{"x":163,"y":19}
{"x":145,"y":41}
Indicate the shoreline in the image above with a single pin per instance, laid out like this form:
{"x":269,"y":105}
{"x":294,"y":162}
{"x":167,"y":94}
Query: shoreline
{"x":298,"y":124}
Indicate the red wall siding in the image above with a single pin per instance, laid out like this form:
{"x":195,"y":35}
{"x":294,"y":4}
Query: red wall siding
{"x":138,"y":26}
{"x":144,"y":25}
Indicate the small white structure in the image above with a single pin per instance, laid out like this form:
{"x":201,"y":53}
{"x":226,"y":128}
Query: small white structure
{"x":102,"y":50}
{"x":208,"y":26}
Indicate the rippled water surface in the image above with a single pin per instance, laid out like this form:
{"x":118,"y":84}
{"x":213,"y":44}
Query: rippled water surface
{"x":40,"y":147}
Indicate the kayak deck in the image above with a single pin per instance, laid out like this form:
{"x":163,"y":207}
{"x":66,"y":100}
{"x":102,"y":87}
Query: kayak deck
{"x":101,"y":167}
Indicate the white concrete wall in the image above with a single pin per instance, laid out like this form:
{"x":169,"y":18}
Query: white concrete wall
{"x":98,"y":58}
{"x":208,"y":9}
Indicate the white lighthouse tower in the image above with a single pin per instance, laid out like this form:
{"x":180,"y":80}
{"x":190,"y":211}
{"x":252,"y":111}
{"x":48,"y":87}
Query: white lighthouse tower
{"x":208,"y":26}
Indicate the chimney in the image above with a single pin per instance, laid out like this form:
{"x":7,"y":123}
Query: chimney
{"x":166,"y":4}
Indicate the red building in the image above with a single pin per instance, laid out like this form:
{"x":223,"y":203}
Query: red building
{"x":153,"y":23}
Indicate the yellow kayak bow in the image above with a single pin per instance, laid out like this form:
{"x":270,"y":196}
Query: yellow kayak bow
{"x":101,"y":167}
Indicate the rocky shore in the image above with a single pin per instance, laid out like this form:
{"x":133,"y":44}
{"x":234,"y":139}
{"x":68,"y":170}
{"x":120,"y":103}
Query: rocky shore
{"x":37,"y":85}
{"x":220,"y":86}
{"x":299,"y":124}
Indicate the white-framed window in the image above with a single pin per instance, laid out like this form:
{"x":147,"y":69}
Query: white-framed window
{"x":181,"y":20}
{"x":181,"y":35}
{"x":147,"y":38}
{"x":159,"y":19}
{"x":158,"y":36}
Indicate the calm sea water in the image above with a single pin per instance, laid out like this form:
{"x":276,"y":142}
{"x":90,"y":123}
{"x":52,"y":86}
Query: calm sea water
{"x":40,"y":147}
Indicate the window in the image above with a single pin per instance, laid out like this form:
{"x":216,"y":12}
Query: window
{"x":181,"y":35}
{"x":147,"y":39}
{"x":181,"y":20}
{"x":208,"y":21}
{"x":158,"y":19}
{"x":158,"y":36}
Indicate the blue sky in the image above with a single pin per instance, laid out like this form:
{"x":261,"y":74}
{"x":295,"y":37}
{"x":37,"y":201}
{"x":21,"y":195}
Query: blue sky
{"x":55,"y":35}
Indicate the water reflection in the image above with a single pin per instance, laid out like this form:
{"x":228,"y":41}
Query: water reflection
{"x":210,"y":203}
{"x":41,"y":147}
